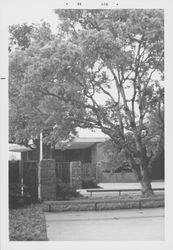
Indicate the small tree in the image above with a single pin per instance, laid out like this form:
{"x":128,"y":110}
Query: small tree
{"x":103,"y":70}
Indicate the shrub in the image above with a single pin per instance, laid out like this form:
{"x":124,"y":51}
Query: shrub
{"x":15,"y":198}
{"x":89,"y":183}
{"x":64,"y":191}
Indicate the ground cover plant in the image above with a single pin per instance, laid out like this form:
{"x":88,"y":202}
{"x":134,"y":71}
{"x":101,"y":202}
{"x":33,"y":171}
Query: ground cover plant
{"x":27,"y":224}
{"x":65,"y":191}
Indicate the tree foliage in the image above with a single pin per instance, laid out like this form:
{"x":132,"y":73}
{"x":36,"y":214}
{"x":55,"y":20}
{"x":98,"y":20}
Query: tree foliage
{"x":19,"y":36}
{"x":102,"y":70}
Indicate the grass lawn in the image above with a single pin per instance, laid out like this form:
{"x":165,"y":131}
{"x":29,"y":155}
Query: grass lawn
{"x":27,"y":224}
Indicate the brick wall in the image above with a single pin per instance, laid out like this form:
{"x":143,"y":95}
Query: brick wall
{"x":48,"y":179}
{"x":97,"y":153}
{"x":109,"y":176}
{"x":88,"y":171}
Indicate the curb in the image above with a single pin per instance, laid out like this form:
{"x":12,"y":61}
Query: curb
{"x":98,"y":205}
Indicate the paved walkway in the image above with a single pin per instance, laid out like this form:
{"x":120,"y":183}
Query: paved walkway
{"x":155,"y":184}
{"x":117,"y":225}
{"x":158,"y":184}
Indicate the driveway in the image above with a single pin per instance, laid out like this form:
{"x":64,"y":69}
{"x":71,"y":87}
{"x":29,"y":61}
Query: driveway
{"x":116,"y":225}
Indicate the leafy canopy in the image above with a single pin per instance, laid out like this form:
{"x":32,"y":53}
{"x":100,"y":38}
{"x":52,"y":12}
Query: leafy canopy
{"x":102,"y":70}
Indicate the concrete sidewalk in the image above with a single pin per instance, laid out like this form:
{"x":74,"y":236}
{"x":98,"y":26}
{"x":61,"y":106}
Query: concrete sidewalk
{"x":155,"y":184}
{"x":117,"y":225}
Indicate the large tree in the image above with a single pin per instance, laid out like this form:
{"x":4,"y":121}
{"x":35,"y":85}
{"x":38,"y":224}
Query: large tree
{"x":102,"y":70}
{"x":19,"y":36}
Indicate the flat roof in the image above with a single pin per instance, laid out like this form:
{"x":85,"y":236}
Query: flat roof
{"x":77,"y":143}
{"x":84,"y":142}
{"x":18,"y":148}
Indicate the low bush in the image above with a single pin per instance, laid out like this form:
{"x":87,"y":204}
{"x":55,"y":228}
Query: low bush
{"x":64,"y":191}
{"x":89,"y":183}
{"x":16,"y":199}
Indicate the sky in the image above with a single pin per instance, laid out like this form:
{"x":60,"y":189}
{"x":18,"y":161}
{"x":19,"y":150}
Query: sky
{"x":32,"y":16}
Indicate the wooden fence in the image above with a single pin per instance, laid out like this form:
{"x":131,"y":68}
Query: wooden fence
{"x":30,"y":177}
{"x":63,"y":171}
{"x":13,"y":172}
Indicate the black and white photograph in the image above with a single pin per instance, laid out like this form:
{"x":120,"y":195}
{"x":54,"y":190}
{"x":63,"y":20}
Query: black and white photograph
{"x":86,"y":123}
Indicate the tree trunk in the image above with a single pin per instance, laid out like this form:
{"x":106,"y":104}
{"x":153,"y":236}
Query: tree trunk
{"x":142,"y":171}
{"x":145,"y":182}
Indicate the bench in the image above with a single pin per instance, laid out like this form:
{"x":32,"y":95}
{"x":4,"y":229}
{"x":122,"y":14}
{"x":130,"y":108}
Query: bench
{"x":119,"y":190}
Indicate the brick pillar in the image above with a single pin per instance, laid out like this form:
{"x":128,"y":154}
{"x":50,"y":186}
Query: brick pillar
{"x":76,"y":174}
{"x":48,"y":179}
